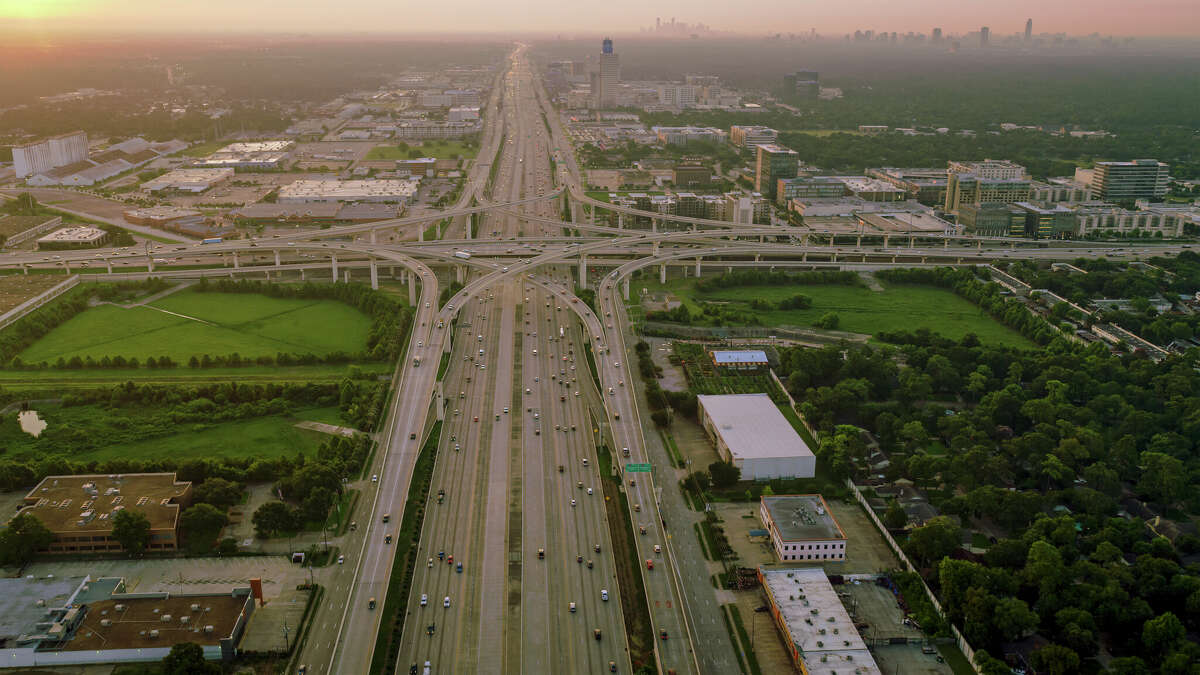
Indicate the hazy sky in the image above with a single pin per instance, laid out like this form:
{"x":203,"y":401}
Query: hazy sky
{"x":1120,"y":17}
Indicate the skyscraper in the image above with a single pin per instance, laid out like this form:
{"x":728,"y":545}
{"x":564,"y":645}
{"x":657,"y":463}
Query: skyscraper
{"x":937,"y":35}
{"x":606,"y":76}
{"x":1128,"y":181}
{"x":773,"y":162}
{"x":984,"y":34}
{"x":1028,"y":29}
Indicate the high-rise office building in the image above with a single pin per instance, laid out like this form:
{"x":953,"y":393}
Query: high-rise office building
{"x":50,"y":153}
{"x":1028,"y":29}
{"x":606,"y":76}
{"x":987,"y":181}
{"x":804,"y":83}
{"x":984,"y":34}
{"x":773,"y":162}
{"x":1129,"y":181}
{"x":937,"y":35}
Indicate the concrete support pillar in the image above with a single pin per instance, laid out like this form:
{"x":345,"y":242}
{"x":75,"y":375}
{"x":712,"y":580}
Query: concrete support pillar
{"x":833,"y":258}
{"x":346,"y":276}
{"x":107,"y":264}
{"x":886,"y":237}
{"x":374,"y":276}
{"x":620,"y":221}
{"x":25,"y":269}
{"x":459,"y":273}
{"x":911,"y":240}
{"x":893,"y":260}
{"x":858,"y":241}
{"x":762,"y":238}
{"x":420,"y":232}
{"x":979,"y":245}
{"x":583,"y":271}
{"x":236,"y":262}
{"x":698,"y":259}
{"x":662,"y":274}
{"x":946,"y":243}
{"x":960,"y":261}
{"x":655,"y":249}
{"x":412,"y":295}
{"x":757,"y":257}
{"x":729,"y":269}
{"x":804,"y":257}
{"x":804,"y":240}
{"x":625,"y":287}
{"x":654,"y":225}
{"x":373,"y":235}
{"x":333,"y":265}
{"x":150,"y":264}
{"x":302,"y":274}
{"x":592,"y":216}
{"x":922,"y":260}
{"x":67,"y":267}
{"x":277,"y":257}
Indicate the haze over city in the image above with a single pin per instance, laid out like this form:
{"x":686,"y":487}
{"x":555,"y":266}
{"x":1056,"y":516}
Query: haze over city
{"x":1112,"y":17}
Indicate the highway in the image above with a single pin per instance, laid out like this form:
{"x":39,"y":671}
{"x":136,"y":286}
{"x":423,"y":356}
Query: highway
{"x":517,"y":465}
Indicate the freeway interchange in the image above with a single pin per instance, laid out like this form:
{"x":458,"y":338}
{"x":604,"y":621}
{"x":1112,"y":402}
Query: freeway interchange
{"x":516,"y":570}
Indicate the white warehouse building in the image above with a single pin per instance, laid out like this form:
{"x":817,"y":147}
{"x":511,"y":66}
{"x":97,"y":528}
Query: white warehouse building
{"x":750,"y":432}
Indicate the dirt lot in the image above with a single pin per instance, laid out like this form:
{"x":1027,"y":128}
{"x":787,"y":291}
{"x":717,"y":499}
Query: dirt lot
{"x":17,"y":288}
{"x":765,"y":639}
{"x":866,"y":551}
{"x":738,"y":519}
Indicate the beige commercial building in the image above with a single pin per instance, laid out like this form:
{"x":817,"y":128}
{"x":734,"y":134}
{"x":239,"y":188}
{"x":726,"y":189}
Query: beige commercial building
{"x":802,"y":529}
{"x":79,"y":509}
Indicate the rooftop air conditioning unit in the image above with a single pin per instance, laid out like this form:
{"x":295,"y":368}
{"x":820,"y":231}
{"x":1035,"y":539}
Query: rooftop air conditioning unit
{"x":208,"y":628}
{"x":195,"y":607}
{"x":119,"y":608}
{"x":153,"y":634}
{"x":184,"y":619}
{"x":166,"y":617}
{"x":106,"y":622}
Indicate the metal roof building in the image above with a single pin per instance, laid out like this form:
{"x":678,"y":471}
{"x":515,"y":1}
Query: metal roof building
{"x":744,"y":358}
{"x":750,"y":432}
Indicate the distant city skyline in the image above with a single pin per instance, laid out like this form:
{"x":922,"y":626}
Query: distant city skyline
{"x":1107,"y":17}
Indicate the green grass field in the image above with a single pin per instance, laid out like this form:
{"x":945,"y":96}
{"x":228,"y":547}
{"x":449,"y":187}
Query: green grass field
{"x":142,"y":433}
{"x":220,"y":323}
{"x":859,"y":309}
{"x":261,"y":438}
{"x":439,"y":150}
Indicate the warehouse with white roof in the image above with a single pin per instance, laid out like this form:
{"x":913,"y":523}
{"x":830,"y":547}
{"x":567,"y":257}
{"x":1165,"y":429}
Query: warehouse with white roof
{"x":750,"y":432}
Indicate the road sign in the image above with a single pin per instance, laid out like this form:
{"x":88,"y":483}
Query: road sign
{"x":637,"y":468}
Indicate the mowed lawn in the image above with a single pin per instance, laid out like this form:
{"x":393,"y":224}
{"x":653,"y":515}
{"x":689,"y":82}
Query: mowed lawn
{"x":211,"y":323}
{"x":859,"y":309}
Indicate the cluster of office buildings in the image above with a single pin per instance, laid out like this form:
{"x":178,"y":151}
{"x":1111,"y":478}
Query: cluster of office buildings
{"x":66,"y":159}
{"x":732,"y":206}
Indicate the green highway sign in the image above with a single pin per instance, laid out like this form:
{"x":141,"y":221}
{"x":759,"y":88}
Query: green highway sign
{"x":637,"y":468}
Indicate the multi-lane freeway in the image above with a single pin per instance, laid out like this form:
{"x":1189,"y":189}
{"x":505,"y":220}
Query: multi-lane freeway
{"x":516,"y":570}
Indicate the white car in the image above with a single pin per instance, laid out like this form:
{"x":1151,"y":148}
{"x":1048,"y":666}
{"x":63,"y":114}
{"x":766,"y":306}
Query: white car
{"x":424,"y":599}
{"x":589,"y":491}
{"x":572,"y":502}
{"x":341,"y":559}
{"x":604,"y":594}
{"x":374,"y":478}
{"x":446,"y":602}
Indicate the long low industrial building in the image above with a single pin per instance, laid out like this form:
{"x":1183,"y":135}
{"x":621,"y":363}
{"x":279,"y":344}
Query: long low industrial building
{"x":817,"y":630}
{"x":188,"y":180}
{"x":750,"y":432}
{"x":315,"y":191}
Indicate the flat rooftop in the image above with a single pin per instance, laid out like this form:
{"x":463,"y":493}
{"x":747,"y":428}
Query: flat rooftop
{"x":146,"y":614}
{"x":19,"y":610}
{"x":74,"y":235}
{"x":817,"y":622}
{"x":739,"y":356}
{"x":82,"y":504}
{"x":348,"y":190}
{"x":752,"y":426}
{"x":802,"y":517}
